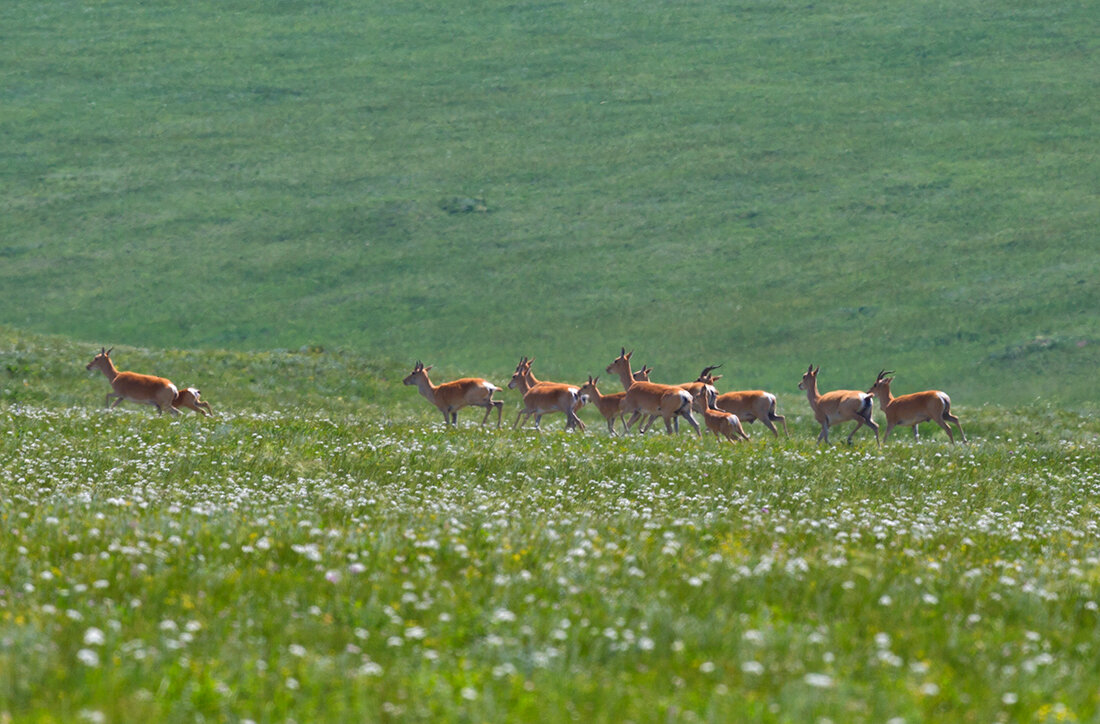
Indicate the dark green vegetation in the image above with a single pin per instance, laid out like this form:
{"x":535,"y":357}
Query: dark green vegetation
{"x":860,"y":184}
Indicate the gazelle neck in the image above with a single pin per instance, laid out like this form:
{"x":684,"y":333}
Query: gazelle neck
{"x":885,"y":397}
{"x":108,"y":369}
{"x":526,"y":382}
{"x":811,"y":393}
{"x":626,"y":377}
{"x":426,"y":387}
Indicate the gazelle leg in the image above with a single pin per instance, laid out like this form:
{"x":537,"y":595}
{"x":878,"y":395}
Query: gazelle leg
{"x":953,"y":418}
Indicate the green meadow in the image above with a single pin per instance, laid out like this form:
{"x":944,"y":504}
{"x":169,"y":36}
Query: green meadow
{"x":345,"y":557}
{"x":285,"y":203}
{"x":909,"y":185}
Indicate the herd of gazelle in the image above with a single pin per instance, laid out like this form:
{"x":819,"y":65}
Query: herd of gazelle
{"x":722,"y":414}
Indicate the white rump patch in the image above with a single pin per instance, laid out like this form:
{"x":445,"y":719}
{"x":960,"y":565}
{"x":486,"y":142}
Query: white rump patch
{"x":946,"y":400}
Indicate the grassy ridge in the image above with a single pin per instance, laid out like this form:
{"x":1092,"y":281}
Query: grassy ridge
{"x":908,"y":185}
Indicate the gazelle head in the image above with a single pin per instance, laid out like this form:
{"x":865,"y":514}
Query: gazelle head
{"x":882,"y":382}
{"x":642,"y":375}
{"x":704,"y":398}
{"x":588,"y":389}
{"x":810,"y":378}
{"x":620,"y":364}
{"x":101,"y":361}
{"x":522,"y":369}
{"x":419,"y":372}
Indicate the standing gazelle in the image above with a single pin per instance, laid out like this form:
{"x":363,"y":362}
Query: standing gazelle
{"x":450,"y":397}
{"x":914,"y":408}
{"x":540,"y":398}
{"x":837,"y":406}
{"x":610,"y":406}
{"x":649,"y":398}
{"x":143,"y":389}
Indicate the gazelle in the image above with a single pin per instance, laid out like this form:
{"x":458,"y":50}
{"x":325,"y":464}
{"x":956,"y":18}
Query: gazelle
{"x":649,"y":398}
{"x":721,"y":423}
{"x":610,"y":406}
{"x":914,"y":408}
{"x":450,"y":397}
{"x":703,"y":381}
{"x":748,"y":405}
{"x":540,"y":398}
{"x":837,"y":406}
{"x":143,"y":389}
{"x":189,"y":397}
{"x":524,"y":368}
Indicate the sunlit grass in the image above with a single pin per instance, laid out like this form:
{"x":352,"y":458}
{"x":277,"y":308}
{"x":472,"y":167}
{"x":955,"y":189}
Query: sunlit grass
{"x":296,"y":565}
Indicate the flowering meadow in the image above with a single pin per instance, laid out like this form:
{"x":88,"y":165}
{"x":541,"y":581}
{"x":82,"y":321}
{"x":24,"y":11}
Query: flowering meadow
{"x":289,"y":566}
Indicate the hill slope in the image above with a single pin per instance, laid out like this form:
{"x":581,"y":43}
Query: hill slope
{"x":905,"y":185}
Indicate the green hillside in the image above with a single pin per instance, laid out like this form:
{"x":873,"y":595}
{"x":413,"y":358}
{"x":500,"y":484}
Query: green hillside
{"x":863,"y":185}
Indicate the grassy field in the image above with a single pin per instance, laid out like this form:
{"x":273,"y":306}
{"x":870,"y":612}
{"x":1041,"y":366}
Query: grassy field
{"x":352,"y":560}
{"x":864,"y":185}
{"x":285,"y":203}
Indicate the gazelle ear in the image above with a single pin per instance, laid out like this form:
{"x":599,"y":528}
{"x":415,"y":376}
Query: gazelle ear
{"x":817,"y":370}
{"x":108,"y":352}
{"x":428,"y":368}
{"x":716,"y":378}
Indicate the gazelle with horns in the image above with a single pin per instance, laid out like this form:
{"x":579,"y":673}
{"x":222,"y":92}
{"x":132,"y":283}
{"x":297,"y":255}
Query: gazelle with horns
{"x":450,"y":397}
{"x":914,"y":408}
{"x":143,"y":389}
{"x":838,"y":406}
{"x":540,"y":397}
{"x":649,"y":398}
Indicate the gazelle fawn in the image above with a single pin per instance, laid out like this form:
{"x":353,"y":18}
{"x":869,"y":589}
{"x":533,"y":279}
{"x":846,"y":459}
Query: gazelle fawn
{"x":749,"y":405}
{"x":189,"y":397}
{"x":723,"y":424}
